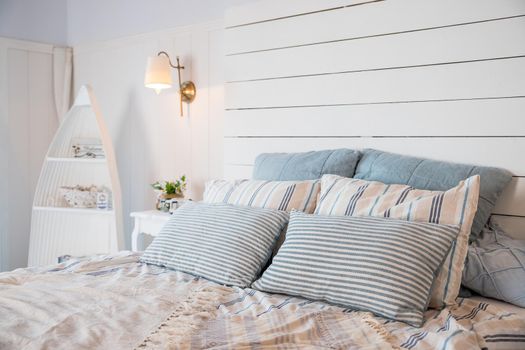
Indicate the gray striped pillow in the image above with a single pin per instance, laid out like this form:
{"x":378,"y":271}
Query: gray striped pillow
{"x":384,"y":266}
{"x":223,"y":243}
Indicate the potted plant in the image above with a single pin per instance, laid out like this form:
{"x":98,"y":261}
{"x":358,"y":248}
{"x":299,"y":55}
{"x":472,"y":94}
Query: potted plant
{"x":169,"y":189}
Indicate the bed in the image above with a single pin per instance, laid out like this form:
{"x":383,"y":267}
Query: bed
{"x":116,"y":302}
{"x":121,"y":302}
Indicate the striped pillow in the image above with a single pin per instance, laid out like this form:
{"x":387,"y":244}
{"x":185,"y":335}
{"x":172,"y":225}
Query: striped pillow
{"x":280,"y":195}
{"x":380,"y":265}
{"x":220,"y":242}
{"x":457,"y":206}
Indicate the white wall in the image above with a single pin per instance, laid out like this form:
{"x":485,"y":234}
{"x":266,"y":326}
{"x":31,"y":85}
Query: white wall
{"x":28,"y":121}
{"x":35,"y":20}
{"x":442,"y":79}
{"x":97,"y":20}
{"x":75,"y":22}
{"x":152,"y":142}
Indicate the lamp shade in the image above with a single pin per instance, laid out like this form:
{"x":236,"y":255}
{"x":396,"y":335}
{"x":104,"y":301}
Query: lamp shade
{"x":158,"y":73}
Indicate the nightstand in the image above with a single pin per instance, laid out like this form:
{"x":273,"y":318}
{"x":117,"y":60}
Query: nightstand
{"x":149,"y":222}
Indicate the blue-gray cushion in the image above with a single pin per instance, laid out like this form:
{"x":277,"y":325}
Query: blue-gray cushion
{"x":223,"y":243}
{"x":305,"y":166}
{"x":427,"y":174}
{"x":380,"y":265}
{"x":495,"y":267}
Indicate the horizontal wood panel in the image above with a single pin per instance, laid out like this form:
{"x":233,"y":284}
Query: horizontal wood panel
{"x":451,"y":44}
{"x":272,"y":9}
{"x":512,"y":201}
{"x":369,"y":19}
{"x":492,"y":151}
{"x":512,"y":225}
{"x":455,"y":81}
{"x":450,"y":118}
{"x":436,"y":79}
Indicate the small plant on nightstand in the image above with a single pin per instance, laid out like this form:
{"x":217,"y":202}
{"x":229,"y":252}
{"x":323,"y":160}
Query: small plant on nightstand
{"x":168,"y":190}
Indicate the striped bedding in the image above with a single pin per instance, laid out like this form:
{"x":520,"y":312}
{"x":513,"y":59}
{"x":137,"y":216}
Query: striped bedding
{"x":116,"y":302}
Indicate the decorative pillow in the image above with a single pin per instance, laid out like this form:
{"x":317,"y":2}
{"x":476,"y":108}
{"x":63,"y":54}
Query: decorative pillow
{"x":280,"y":195}
{"x":495,"y":267}
{"x":380,"y":265}
{"x":221,"y":242}
{"x":305,"y":165}
{"x":457,"y":206}
{"x":427,"y":174}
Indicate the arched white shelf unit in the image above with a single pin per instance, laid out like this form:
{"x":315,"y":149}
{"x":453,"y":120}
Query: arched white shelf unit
{"x":56,"y":228}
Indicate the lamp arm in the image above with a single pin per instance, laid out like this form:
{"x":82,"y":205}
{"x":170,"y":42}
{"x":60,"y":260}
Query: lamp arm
{"x":178,"y":67}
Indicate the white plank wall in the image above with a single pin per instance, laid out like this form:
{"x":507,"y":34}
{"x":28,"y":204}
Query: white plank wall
{"x":152,"y":142}
{"x":27,"y":125}
{"x":439,"y":79}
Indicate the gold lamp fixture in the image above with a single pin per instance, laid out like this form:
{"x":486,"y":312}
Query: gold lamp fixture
{"x":158,"y":77}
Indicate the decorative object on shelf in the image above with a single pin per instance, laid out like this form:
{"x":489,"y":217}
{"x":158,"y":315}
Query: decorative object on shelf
{"x":168,"y":190}
{"x":173,"y":204}
{"x":87,"y":148}
{"x":158,"y":77}
{"x":79,"y":196}
{"x":104,"y":199}
{"x":86,"y":196}
{"x":66,"y":219}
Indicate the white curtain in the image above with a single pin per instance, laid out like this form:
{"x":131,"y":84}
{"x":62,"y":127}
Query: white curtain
{"x":62,"y":79}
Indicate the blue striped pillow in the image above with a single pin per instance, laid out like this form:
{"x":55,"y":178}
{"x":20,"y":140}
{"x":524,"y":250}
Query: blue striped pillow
{"x":223,"y":243}
{"x":380,"y":265}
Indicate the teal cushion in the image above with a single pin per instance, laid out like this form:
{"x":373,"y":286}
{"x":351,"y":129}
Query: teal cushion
{"x":305,"y":166}
{"x":434,"y":175}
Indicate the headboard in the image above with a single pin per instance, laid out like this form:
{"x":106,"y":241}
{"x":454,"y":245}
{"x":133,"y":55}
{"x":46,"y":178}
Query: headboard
{"x":441,"y":79}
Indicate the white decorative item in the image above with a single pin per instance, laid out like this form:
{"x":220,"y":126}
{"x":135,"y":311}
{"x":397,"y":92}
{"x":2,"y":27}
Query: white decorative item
{"x":73,"y":188}
{"x":80,"y":196}
{"x":87,"y":148}
{"x":104,"y":199}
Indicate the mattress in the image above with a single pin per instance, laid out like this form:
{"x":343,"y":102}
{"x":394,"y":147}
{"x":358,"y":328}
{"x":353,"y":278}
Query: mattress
{"x":116,"y":302}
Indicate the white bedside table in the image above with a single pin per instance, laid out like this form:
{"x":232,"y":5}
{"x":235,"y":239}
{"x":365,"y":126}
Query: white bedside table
{"x":149,"y":222}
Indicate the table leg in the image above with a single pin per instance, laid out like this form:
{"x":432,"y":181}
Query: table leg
{"x":134,"y":238}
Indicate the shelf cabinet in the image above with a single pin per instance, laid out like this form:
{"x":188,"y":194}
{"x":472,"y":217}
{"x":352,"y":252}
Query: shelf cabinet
{"x":56,"y":228}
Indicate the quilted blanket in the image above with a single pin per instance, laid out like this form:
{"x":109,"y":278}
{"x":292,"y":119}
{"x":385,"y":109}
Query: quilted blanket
{"x":115,"y":302}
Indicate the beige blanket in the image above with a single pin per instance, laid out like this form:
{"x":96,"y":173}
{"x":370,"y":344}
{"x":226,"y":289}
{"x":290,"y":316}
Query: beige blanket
{"x":115,"y":302}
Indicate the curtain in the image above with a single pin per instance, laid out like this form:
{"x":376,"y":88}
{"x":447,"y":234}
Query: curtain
{"x":62,"y":79}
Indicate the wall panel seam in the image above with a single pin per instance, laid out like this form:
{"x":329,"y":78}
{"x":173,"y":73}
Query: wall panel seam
{"x":375,"y":35}
{"x":379,"y":69}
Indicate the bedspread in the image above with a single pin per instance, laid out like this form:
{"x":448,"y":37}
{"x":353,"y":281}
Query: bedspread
{"x":115,"y":302}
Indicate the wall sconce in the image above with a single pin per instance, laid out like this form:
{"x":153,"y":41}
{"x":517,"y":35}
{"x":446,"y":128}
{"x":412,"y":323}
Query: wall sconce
{"x":158,"y":77}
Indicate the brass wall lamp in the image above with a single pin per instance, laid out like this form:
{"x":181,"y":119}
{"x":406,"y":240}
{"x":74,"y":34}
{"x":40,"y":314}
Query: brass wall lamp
{"x":158,"y":77}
